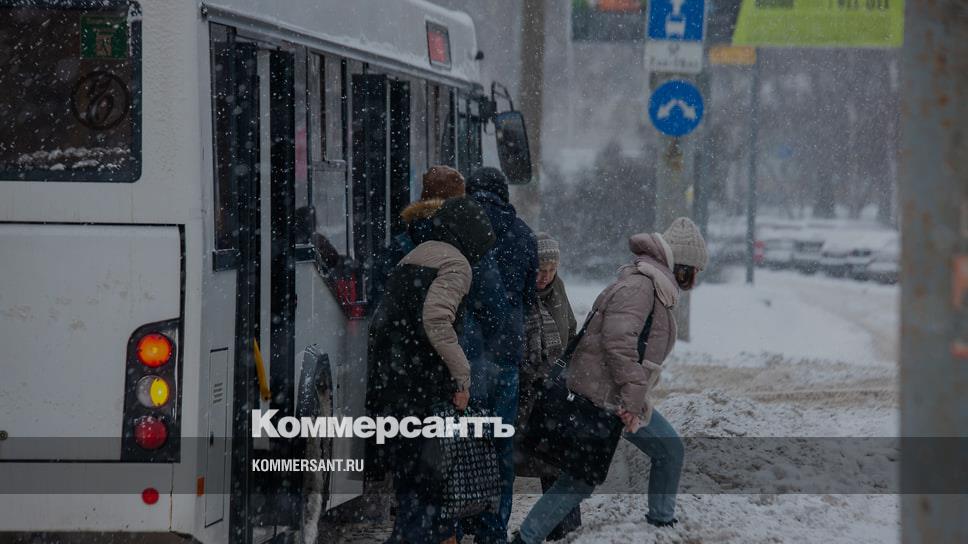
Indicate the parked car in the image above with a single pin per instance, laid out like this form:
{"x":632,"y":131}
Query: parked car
{"x":885,"y":264}
{"x":883,"y":243}
{"x":848,"y":250}
{"x":834,"y":254}
{"x":777,"y":240}
{"x":807,"y":246}
{"x":727,"y":241}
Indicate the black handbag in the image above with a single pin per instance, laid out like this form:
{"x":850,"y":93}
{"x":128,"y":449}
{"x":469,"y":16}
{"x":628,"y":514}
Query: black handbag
{"x":570,"y":432}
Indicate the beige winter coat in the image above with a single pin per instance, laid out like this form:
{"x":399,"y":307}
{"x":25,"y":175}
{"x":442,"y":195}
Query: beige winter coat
{"x":605,"y":367}
{"x":444,"y":296}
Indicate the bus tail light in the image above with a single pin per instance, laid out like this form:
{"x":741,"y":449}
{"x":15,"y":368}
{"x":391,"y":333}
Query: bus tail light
{"x":151,"y":398}
{"x":150,"y":433}
{"x":154,"y":350}
{"x":153,"y":391}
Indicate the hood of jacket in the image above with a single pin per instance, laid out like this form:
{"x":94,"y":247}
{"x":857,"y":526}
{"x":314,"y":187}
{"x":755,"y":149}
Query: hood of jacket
{"x":418,"y":218}
{"x":653,"y":259}
{"x":462,"y":223}
{"x":421,"y":209}
{"x":500,"y":213}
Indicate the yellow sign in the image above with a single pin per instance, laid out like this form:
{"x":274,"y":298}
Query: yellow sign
{"x":820,"y":23}
{"x":740,"y":55}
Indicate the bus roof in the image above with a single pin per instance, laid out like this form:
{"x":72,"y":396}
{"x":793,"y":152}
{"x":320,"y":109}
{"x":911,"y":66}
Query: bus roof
{"x":392,"y":34}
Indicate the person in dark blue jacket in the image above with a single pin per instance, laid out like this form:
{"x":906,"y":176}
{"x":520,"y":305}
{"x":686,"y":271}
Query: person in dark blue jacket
{"x":502,"y":293}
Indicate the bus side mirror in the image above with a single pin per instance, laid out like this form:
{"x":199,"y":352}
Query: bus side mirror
{"x":512,"y":146}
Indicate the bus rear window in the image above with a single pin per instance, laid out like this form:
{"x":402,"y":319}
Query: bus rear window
{"x":70,"y":90}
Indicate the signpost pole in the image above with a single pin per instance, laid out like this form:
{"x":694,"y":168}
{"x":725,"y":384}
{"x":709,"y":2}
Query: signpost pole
{"x":676,"y":108}
{"x":531,"y":98}
{"x":934,"y":274}
{"x":751,"y":190}
{"x":674,"y":47}
{"x":671,"y":186}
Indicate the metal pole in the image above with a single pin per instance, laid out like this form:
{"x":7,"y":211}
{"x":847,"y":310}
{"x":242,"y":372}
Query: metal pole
{"x":531,"y":97}
{"x":934,"y":270}
{"x":670,"y":199}
{"x":751,"y":191}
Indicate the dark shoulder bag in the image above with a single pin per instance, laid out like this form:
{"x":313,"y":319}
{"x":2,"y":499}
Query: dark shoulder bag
{"x":570,"y":432}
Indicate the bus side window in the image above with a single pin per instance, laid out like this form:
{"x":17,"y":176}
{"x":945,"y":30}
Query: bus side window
{"x":418,"y":137}
{"x":468,"y":134}
{"x":304,"y":224}
{"x":441,"y":125}
{"x":326,"y":154}
{"x":230,"y":68}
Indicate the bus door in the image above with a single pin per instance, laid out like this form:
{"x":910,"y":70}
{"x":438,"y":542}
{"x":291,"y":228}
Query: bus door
{"x":258,"y":103}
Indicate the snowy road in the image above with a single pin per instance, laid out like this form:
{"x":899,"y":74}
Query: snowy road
{"x":793,"y":356}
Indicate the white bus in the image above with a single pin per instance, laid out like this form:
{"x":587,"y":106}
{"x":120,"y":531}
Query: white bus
{"x":190,"y":195}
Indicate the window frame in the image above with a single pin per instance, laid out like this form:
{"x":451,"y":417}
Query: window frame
{"x":326,"y":130}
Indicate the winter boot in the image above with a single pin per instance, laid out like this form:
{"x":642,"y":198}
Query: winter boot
{"x":671,"y":523}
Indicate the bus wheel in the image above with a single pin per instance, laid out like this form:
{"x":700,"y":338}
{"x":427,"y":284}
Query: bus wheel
{"x":315,"y":400}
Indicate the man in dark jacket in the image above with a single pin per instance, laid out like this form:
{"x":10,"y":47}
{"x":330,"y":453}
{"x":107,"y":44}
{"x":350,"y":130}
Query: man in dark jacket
{"x":416,"y":361}
{"x":496,"y":356}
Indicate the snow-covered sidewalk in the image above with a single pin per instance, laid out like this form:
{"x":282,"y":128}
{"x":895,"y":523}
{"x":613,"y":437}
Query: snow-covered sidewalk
{"x":791,"y":356}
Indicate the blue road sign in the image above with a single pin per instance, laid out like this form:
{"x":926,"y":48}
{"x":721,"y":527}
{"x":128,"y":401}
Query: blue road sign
{"x":680,"y":20}
{"x":676,"y":108}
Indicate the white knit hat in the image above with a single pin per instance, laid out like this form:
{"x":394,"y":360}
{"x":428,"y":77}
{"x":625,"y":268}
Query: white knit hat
{"x":688,"y":246}
{"x":548,"y":249}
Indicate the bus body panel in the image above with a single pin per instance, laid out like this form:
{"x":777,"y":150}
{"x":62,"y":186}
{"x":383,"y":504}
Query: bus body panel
{"x":87,"y":287}
{"x":88,"y":512}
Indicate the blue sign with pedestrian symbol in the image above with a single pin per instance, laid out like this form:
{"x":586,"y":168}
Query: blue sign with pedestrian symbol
{"x":680,"y":20}
{"x":676,"y":108}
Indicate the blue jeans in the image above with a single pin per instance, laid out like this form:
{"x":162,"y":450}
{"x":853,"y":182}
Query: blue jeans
{"x":658,"y":440}
{"x":496,"y":387}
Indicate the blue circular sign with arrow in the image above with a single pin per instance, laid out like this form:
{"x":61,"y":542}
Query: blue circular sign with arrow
{"x":676,"y":108}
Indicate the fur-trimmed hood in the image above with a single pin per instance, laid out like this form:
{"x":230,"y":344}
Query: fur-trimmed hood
{"x":421,"y":209}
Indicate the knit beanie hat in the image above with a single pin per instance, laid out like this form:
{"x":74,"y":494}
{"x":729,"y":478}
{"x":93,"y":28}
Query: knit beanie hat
{"x":442,"y":182}
{"x":548,"y":249}
{"x":688,"y":246}
{"x":489,"y":180}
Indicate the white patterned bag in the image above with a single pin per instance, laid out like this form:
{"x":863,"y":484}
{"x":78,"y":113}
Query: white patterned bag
{"x":469,"y":478}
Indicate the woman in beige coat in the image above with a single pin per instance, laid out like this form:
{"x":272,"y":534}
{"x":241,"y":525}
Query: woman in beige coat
{"x":616,"y":365}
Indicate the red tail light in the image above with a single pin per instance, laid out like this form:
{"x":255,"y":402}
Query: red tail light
{"x":150,"y":433}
